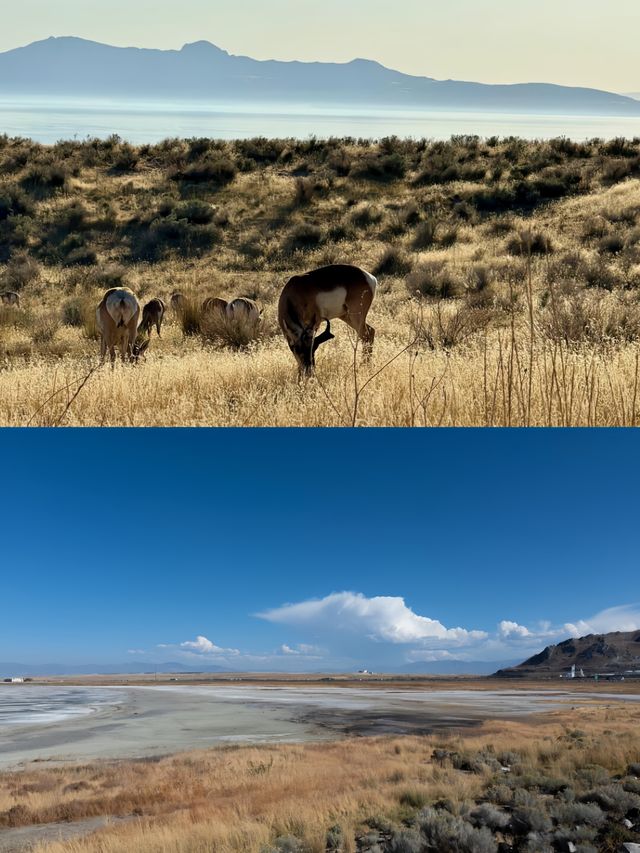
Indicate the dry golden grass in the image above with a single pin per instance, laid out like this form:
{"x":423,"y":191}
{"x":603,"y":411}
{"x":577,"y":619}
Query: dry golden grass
{"x":527,"y":318}
{"x":240,"y":798}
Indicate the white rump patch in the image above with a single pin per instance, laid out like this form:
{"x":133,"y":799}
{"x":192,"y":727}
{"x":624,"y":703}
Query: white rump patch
{"x":331,"y":303}
{"x":119,"y":312}
{"x":372,"y":281}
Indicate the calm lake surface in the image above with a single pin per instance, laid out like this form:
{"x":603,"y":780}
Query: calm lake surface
{"x":51,"y":119}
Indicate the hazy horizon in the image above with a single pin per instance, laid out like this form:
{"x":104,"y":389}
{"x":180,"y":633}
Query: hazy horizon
{"x":532,"y":41}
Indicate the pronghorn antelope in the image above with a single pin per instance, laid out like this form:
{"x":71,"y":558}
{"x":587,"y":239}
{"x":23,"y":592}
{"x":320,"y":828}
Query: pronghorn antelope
{"x":117,"y":317}
{"x":215,"y":305}
{"x":9,"y":297}
{"x":243,"y":309}
{"x":338,"y":291}
{"x":152,"y":315}
{"x":139,"y":349}
{"x":177,"y":301}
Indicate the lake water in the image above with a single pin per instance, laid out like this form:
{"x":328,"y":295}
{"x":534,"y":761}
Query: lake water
{"x":48,"y":120}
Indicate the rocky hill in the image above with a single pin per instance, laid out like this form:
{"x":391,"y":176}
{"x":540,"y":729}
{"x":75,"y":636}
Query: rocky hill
{"x":617,"y":653}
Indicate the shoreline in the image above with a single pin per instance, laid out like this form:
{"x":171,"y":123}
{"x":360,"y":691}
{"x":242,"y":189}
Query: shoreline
{"x":150,"y":721}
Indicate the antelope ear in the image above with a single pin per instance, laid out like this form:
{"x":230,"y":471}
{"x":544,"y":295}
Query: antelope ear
{"x":143,"y":346}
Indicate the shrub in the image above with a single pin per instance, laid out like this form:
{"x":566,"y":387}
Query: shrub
{"x":304,"y":191}
{"x":579,"y":318}
{"x":170,"y":234}
{"x":611,"y":243}
{"x":447,"y":833}
{"x":576,"y":813}
{"x":14,"y":202}
{"x":111,"y":276}
{"x":425,"y":234}
{"x":190,"y":316}
{"x":18,"y":815}
{"x":195,"y":212}
{"x":406,"y":841}
{"x":488,"y":815}
{"x":529,"y":243}
{"x":304,"y":236}
{"x":413,"y":798}
{"x":613,"y":798}
{"x":363,"y":215}
{"x":380,"y":167}
{"x":125,"y":159}
{"x":44,"y":179}
{"x":592,"y":775}
{"x":21,"y":270}
{"x":214,"y":169}
{"x":334,"y":842}
{"x":78,"y":310}
{"x":392,"y":262}
{"x":79,"y":256}
{"x":44,"y":329}
{"x":434,"y":279}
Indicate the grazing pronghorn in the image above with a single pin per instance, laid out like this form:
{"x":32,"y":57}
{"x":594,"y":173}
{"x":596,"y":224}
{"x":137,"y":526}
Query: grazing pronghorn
{"x":243,"y":309}
{"x":336,"y":292}
{"x":152,"y":315}
{"x":215,"y":305}
{"x":117,"y":317}
{"x":139,"y":350}
{"x":10,"y":297}
{"x":177,"y":301}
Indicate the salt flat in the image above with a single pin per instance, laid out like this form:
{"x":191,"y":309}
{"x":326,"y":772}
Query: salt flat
{"x":150,"y":721}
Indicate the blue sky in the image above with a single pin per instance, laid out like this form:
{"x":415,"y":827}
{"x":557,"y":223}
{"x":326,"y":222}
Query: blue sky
{"x":573,"y":42}
{"x":319,"y":549}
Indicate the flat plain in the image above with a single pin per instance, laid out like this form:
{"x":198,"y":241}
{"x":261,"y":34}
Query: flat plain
{"x":508,"y":273}
{"x":567,"y":772}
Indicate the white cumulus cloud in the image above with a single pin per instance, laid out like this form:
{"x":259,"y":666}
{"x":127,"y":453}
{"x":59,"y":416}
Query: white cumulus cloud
{"x":512,"y":629}
{"x":382,"y":618}
{"x":200,"y":646}
{"x":303,"y":649}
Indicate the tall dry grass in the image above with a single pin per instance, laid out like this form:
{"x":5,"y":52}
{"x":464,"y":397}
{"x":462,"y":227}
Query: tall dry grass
{"x":502,"y":301}
{"x":243,"y":798}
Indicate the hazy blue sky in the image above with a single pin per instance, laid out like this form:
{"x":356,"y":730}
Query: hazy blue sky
{"x":314,"y":549}
{"x":573,"y":42}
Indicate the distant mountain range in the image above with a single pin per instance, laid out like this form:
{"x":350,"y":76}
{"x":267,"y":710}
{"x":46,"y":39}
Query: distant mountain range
{"x":8,"y":670}
{"x":617,"y":652}
{"x":71,"y":66}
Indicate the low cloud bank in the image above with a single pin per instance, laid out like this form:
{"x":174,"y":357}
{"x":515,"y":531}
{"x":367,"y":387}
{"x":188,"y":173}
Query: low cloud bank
{"x":343,"y":630}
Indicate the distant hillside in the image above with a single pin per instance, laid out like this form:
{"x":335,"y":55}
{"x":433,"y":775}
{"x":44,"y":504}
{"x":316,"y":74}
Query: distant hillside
{"x":617,"y":652}
{"x":76,"y":67}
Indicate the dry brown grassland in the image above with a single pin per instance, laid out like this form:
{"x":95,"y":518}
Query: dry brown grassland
{"x":509,"y":279}
{"x":572,"y":775}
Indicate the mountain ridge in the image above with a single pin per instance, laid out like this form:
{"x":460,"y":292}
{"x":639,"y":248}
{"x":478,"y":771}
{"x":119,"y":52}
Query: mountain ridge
{"x":616,"y":652}
{"x":72,"y":66}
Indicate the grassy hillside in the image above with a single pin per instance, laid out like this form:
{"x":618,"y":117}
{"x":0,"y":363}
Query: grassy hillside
{"x":509,"y":277}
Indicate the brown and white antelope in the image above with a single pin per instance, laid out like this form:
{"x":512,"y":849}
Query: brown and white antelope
{"x":335,"y":292}
{"x":243,"y":309}
{"x":215,"y":305}
{"x":152,"y":315}
{"x":117,"y":318}
{"x":10,"y":297}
